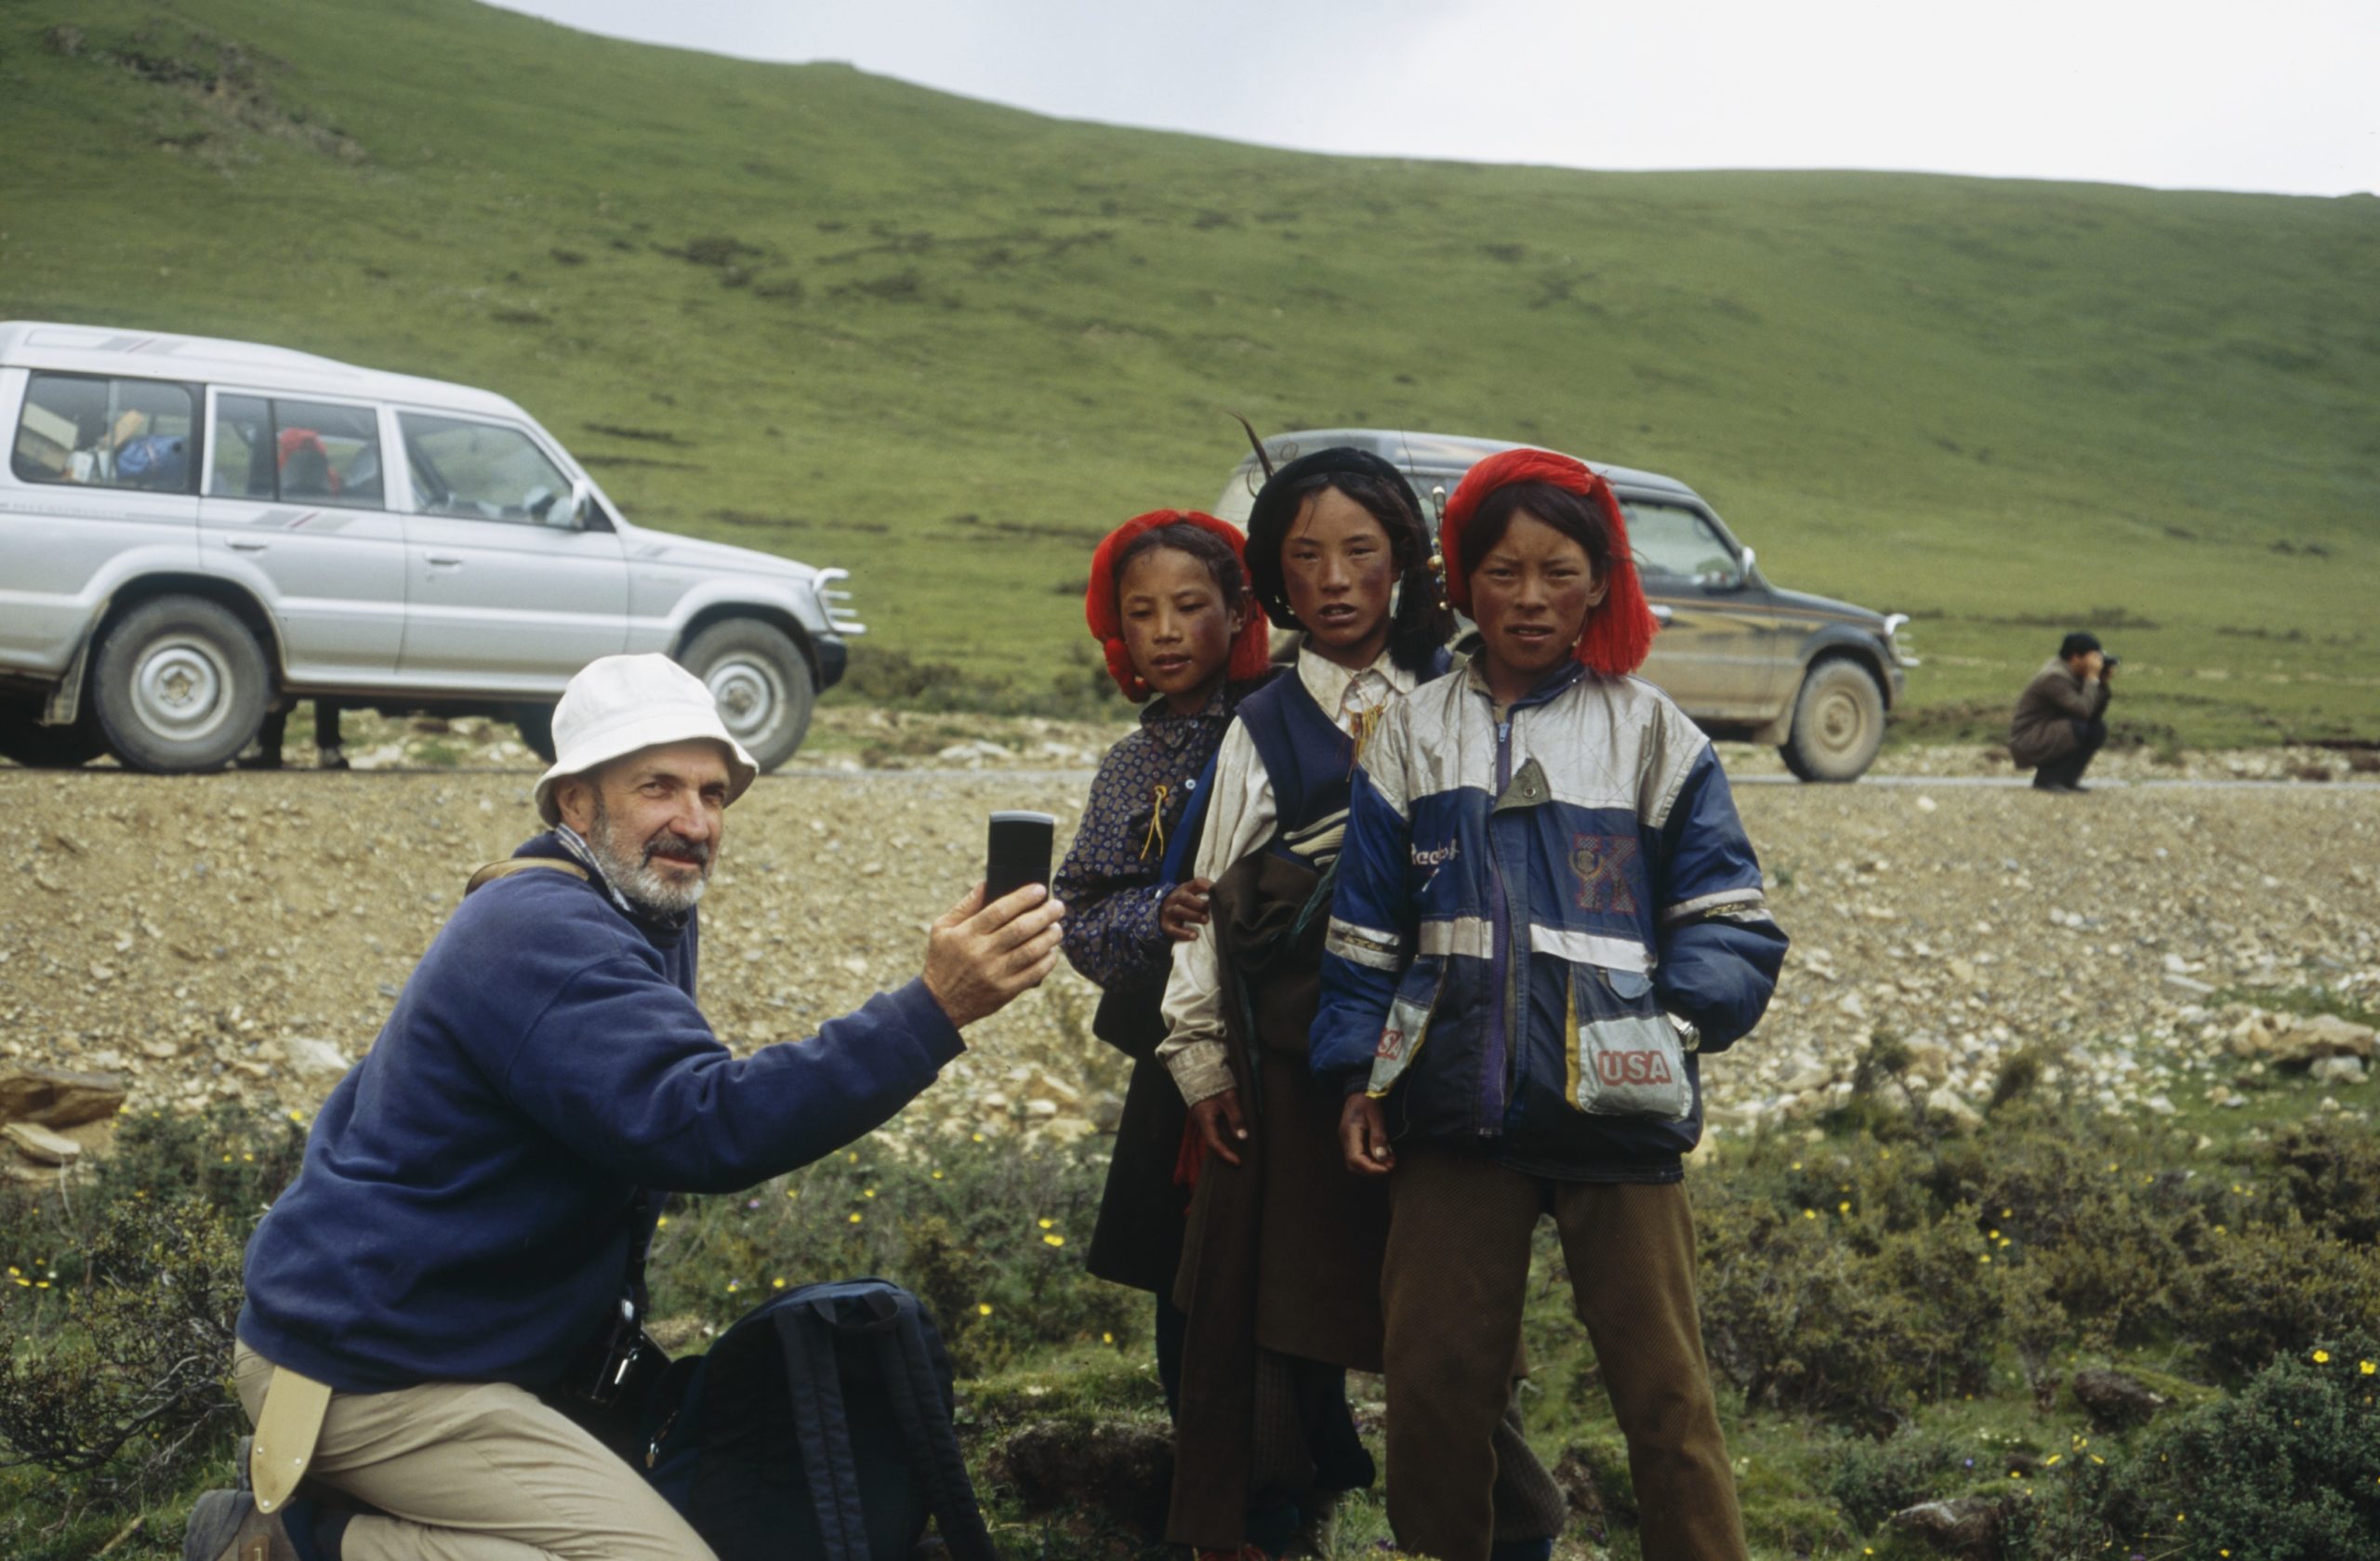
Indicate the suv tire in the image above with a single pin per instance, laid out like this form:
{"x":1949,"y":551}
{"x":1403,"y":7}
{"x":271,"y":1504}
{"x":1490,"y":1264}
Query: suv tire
{"x":1838,"y":723}
{"x":762,"y":683}
{"x":179,"y":685}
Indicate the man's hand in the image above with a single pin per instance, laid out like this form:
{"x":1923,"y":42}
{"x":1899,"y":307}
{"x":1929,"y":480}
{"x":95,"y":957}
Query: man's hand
{"x":979,"y":958}
{"x":1217,"y":1120}
{"x":2095,"y":665}
{"x":1363,"y":1136}
{"x":1185,"y":910}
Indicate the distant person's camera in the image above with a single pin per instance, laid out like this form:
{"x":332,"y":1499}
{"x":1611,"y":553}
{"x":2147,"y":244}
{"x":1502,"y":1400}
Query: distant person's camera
{"x":2106,"y":661}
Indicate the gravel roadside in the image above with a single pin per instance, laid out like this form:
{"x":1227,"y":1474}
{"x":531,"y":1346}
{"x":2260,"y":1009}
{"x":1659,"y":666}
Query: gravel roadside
{"x":240,"y":936}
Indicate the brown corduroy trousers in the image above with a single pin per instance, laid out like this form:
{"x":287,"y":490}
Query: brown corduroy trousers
{"x":1453,"y":1288}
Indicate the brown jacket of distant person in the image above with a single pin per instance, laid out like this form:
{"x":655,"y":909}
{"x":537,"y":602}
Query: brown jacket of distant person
{"x":2066,"y":690}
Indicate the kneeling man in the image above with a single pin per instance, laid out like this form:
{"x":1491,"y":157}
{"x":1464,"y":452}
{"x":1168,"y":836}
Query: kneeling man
{"x":474,"y":1196}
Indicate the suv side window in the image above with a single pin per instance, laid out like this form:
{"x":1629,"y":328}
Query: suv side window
{"x":1673,"y":540}
{"x":481,"y":471}
{"x":105,"y":434}
{"x":301,"y":452}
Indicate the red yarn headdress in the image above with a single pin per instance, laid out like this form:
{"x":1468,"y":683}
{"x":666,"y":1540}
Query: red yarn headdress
{"x":1107,"y":620}
{"x":1619,"y":632}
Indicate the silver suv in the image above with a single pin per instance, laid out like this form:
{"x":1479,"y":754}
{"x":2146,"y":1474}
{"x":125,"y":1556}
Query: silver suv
{"x":193,"y":531}
{"x":1746,"y":659}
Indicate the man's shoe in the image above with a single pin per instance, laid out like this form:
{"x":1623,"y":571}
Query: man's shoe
{"x":330,"y":758}
{"x":225,"y":1526}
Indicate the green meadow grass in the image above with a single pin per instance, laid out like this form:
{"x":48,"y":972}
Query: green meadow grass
{"x":946,"y":345}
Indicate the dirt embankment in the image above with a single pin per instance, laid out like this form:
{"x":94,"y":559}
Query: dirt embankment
{"x":241,"y":936}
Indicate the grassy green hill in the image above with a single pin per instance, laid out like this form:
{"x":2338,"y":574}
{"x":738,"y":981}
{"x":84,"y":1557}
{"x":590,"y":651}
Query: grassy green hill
{"x":946,"y":344}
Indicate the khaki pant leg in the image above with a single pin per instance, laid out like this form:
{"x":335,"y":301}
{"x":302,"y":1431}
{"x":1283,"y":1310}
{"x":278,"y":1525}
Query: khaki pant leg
{"x":1453,"y":1291}
{"x":480,"y":1472}
{"x":1630,"y":1248}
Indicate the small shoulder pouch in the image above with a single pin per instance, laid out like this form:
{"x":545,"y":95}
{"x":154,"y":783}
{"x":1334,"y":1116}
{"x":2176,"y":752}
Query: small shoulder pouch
{"x":1627,"y":1057}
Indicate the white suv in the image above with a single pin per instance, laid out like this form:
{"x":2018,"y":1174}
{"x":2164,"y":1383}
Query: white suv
{"x":193,"y":531}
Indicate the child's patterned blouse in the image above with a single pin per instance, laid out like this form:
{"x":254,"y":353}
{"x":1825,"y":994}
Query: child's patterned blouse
{"x":1109,"y":881}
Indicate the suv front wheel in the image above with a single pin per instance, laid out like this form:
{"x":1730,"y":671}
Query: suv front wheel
{"x":1838,"y":723}
{"x":179,"y":685}
{"x":761,"y":681}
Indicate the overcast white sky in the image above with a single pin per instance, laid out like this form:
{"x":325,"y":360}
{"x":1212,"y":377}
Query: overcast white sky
{"x":2264,"y":95}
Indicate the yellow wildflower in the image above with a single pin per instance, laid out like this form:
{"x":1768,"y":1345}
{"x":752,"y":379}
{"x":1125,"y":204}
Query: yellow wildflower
{"x":1054,"y":1240}
{"x":984,"y":1309}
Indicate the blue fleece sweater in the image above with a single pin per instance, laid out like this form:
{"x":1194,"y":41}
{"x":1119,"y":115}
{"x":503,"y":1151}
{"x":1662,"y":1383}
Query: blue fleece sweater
{"x":472,"y":1189}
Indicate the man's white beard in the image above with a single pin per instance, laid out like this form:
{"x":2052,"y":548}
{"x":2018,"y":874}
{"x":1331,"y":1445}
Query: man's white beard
{"x":635,"y":875}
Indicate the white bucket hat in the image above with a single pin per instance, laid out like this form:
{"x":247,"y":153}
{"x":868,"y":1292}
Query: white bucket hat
{"x":620,"y":703}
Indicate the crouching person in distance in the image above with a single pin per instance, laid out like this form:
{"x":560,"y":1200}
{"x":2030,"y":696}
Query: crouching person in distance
{"x":477,"y":1193}
{"x":1545,"y":907}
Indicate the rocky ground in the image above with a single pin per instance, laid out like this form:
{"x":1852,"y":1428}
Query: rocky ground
{"x":240,"y":936}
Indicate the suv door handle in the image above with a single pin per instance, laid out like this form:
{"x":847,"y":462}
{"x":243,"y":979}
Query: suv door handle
{"x":242,"y":545}
{"x":447,"y":560}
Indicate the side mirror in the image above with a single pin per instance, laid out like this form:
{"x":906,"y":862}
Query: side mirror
{"x":1743,"y":576}
{"x":582,"y":504}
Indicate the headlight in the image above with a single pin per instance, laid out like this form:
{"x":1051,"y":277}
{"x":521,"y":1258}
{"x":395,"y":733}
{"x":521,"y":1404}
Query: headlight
{"x":836,"y":600}
{"x":1895,"y":641}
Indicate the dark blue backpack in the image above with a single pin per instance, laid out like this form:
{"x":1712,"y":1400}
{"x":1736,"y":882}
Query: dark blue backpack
{"x":818,"y":1428}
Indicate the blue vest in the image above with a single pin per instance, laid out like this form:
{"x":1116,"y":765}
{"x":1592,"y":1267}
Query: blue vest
{"x":1311,"y":763}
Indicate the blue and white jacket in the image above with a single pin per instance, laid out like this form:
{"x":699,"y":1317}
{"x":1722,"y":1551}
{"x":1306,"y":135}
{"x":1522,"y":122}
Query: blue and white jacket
{"x":1522,"y":908}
